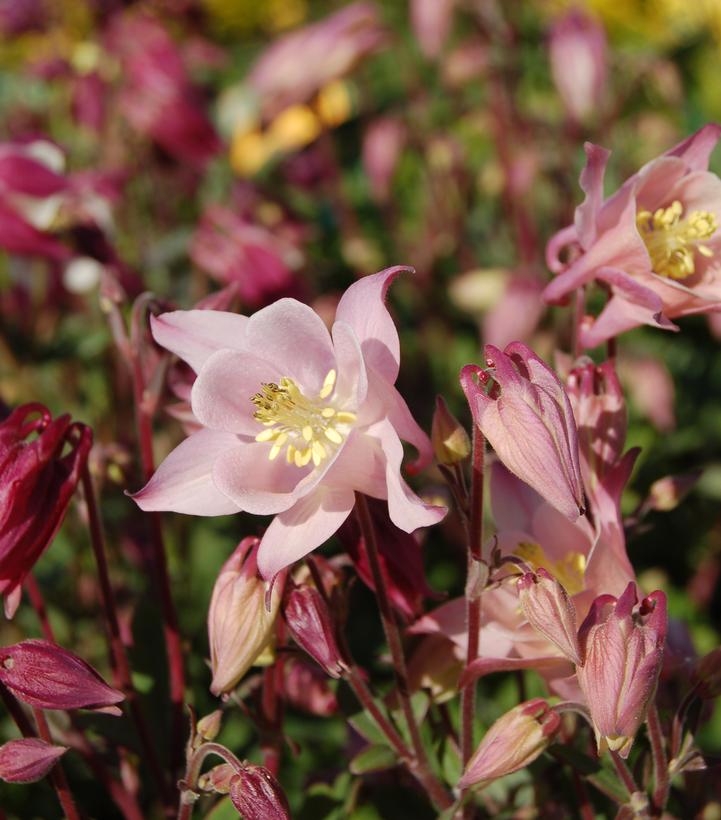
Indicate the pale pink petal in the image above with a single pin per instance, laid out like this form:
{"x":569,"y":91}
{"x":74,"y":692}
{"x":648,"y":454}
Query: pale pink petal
{"x":696,"y":150}
{"x":302,"y":528}
{"x":361,"y":466}
{"x":293,"y":337}
{"x":592,"y":185}
{"x":513,"y":502}
{"x":222,"y":394}
{"x":194,"y":335}
{"x":183,"y":482}
{"x":352,"y":382}
{"x":549,"y":664}
{"x":556,"y":244}
{"x":362,"y":306}
{"x":407,"y":511}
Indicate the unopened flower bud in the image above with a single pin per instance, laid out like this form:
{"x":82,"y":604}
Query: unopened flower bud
{"x":208,"y":727}
{"x":515,"y":740}
{"x":217,"y":779}
{"x":47,"y":676}
{"x":240,"y":627}
{"x":311,"y":625}
{"x":451,"y":443}
{"x":550,"y":611}
{"x":667,"y":493}
{"x":28,"y":760}
{"x":707,"y":675}
{"x":257,"y":795}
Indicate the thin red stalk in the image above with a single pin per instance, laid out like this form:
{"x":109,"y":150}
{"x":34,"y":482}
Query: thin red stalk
{"x":160,"y":565}
{"x":363,"y":693}
{"x":422,"y":770}
{"x":120,"y":665}
{"x":124,"y":800}
{"x":660,"y":760}
{"x":192,"y":773}
{"x":269,"y":742}
{"x":473,"y":594}
{"x":57,"y":773}
{"x":624,"y":773}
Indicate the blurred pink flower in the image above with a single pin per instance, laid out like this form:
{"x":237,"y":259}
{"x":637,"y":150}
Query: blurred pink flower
{"x":296,"y":66}
{"x":655,"y":243}
{"x":622,"y":656}
{"x":156,"y":95}
{"x":37,"y":481}
{"x":279,"y":384}
{"x":233,"y":249}
{"x":651,"y":389}
{"x":516,"y":314}
{"x":577,"y":47}
{"x":28,"y":760}
{"x":522,"y":409}
{"x":383,"y":142}
{"x":431,"y":22}
{"x":514,"y":741}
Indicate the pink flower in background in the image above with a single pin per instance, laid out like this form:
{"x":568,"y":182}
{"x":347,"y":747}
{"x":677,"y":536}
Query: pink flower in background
{"x":655,"y":243}
{"x":232,"y":248}
{"x":577,"y":48}
{"x":383,"y":143}
{"x":651,"y":389}
{"x":622,"y":656}
{"x":157,"y":96}
{"x":431,"y":21}
{"x":295,"y":420}
{"x":522,"y":409}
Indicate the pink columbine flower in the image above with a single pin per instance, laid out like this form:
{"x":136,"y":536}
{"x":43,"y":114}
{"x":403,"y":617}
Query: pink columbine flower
{"x":37,"y":481}
{"x":295,"y":420}
{"x":522,"y":409}
{"x":431,"y":21}
{"x":514,"y":741}
{"x":577,"y":49}
{"x":28,"y":759}
{"x":655,"y":243}
{"x":622,"y":647}
{"x":45,"y":675}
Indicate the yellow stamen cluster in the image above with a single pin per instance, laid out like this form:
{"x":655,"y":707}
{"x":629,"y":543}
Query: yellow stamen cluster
{"x":308,"y":429}
{"x":569,"y":571}
{"x":672,"y":240}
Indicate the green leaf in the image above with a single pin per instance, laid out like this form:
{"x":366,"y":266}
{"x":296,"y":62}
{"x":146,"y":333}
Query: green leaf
{"x":374,"y":758}
{"x":223,"y":810}
{"x":367,"y":728}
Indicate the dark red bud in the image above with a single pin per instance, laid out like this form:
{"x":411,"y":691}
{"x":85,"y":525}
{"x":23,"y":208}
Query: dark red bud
{"x":28,"y":760}
{"x":311,"y":625}
{"x":257,"y":795}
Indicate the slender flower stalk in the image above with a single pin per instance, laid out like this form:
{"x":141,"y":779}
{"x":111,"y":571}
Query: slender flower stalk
{"x":421,"y":767}
{"x":57,"y":773}
{"x":660,"y":760}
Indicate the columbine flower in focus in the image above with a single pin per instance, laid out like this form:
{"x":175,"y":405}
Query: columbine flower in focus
{"x":515,"y":740}
{"x":523,"y":411}
{"x":622,"y":648}
{"x":655,"y":243}
{"x":37,"y":481}
{"x":295,"y":420}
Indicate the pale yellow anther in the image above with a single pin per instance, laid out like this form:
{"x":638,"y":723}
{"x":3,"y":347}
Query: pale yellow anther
{"x":298,"y":423}
{"x":671,"y":240}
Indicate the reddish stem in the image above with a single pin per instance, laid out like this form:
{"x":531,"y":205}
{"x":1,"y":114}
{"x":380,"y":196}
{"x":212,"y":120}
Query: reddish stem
{"x":660,"y":760}
{"x":57,"y":773}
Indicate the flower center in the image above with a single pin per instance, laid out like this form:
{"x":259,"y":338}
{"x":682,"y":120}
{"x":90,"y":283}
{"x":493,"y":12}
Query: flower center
{"x":671,"y":240}
{"x":569,"y":570}
{"x":308,"y":429}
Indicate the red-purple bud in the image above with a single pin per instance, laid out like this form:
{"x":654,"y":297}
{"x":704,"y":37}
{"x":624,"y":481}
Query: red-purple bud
{"x":550,"y":611}
{"x":311,"y":625}
{"x":28,"y":760}
{"x":218,"y":779}
{"x":47,"y":676}
{"x":515,"y":740}
{"x":305,"y":687}
{"x":258,"y":796}
{"x":37,"y":482}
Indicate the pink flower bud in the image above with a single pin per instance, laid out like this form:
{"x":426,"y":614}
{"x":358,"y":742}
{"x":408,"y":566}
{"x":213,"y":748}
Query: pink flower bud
{"x":515,"y":740}
{"x":311,"y":625}
{"x":37,"y":481}
{"x":522,"y":409}
{"x":550,"y":611}
{"x":47,"y":676}
{"x":28,"y":760}
{"x":306,"y":687}
{"x":578,"y":63}
{"x":240,"y":626}
{"x":622,"y":649}
{"x":258,"y":796}
{"x":218,"y":779}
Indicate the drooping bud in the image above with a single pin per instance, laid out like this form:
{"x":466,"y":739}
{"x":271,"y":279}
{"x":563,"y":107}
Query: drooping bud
{"x":513,"y":741}
{"x":218,"y":779}
{"x":311,"y":625}
{"x":550,"y":611}
{"x":522,"y":409}
{"x":28,"y":759}
{"x":306,"y":687}
{"x":47,"y":676}
{"x":240,"y":627}
{"x":257,"y":795}
{"x":622,"y":649}
{"x":707,"y":675}
{"x":451,"y":443}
